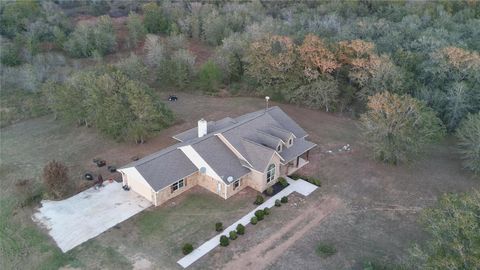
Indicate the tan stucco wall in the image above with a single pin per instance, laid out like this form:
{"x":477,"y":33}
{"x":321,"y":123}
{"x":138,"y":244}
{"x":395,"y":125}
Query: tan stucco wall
{"x":166,"y":193}
{"x":243,"y":184}
{"x":138,"y":185}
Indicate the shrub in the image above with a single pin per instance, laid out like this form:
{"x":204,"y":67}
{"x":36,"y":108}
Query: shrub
{"x":253,"y":220}
{"x":283,"y":181}
{"x":259,"y":200}
{"x":218,"y":226}
{"x":266,"y":211}
{"x":55,"y":177}
{"x":209,"y":77}
{"x":259,"y":214}
{"x":233,"y":235}
{"x":187,"y":248}
{"x":277,"y":203}
{"x":315,"y":181}
{"x":284,"y":199}
{"x":224,"y":241}
{"x":269,"y":191}
{"x":326,"y":250}
{"x":240,"y":229}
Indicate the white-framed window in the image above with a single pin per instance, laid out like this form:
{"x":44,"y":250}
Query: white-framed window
{"x":270,"y":173}
{"x":279,"y":148}
{"x":178,"y":185}
{"x":290,"y":141}
{"x":236,"y":184}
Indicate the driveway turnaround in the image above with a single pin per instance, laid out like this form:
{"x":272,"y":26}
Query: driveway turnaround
{"x":84,"y":216}
{"x":300,"y":186}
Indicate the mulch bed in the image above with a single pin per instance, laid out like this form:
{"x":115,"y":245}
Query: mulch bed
{"x":277,"y":187}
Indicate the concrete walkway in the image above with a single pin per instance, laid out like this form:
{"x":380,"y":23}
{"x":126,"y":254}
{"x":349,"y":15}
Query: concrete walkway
{"x":300,"y":186}
{"x":89,"y":213}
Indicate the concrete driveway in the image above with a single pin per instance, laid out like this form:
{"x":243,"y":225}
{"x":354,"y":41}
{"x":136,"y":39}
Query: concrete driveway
{"x":84,"y":216}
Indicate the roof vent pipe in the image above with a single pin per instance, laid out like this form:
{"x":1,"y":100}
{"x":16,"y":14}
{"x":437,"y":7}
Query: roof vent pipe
{"x":202,"y":128}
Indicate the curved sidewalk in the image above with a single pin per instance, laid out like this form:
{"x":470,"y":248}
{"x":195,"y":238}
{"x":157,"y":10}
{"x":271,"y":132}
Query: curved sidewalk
{"x":300,"y":186}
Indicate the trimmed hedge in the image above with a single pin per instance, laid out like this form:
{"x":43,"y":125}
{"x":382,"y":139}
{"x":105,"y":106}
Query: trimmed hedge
{"x":218,"y":226}
{"x":269,"y":191}
{"x":253,"y":220}
{"x":311,"y":180}
{"x":284,"y":199}
{"x":233,"y":235}
{"x":259,"y":200}
{"x":187,"y":248}
{"x":224,"y":241}
{"x":266,"y":211}
{"x":283,"y":181}
{"x":259,"y":214}
{"x":240,"y":229}
{"x":277,"y":203}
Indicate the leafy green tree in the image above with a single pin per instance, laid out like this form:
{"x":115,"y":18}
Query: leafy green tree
{"x":468,"y":135}
{"x":133,"y":67}
{"x":154,"y":19}
{"x":230,"y":57}
{"x":453,"y":225}
{"x":214,"y":28}
{"x":136,"y":30}
{"x":209,"y":77}
{"x":399,"y":127}
{"x":10,"y":54}
{"x":87,"y":40}
{"x":16,"y":15}
{"x":319,"y":94}
{"x":179,"y":69}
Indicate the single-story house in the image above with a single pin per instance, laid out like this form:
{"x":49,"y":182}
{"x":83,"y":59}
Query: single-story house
{"x":223,"y":156}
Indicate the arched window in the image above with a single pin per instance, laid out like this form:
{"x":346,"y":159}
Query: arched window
{"x":270,"y":173}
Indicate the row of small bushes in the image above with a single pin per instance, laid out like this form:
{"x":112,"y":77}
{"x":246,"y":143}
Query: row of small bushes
{"x":310,"y":179}
{"x":225,"y":241}
{"x":240,"y":230}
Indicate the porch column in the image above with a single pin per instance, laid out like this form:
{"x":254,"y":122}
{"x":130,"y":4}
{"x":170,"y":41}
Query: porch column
{"x":307,"y":154}
{"x":298,"y":161}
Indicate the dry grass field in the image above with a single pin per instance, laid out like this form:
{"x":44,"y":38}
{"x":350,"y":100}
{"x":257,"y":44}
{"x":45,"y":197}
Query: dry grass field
{"x":375,"y":218}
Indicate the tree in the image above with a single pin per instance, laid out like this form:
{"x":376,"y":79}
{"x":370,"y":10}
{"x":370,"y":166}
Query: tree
{"x":468,"y":135}
{"x":230,"y":57}
{"x":209,"y":77}
{"x":89,"y":39}
{"x":110,"y":100}
{"x":155,"y":51}
{"x":136,"y":30}
{"x":214,"y":28}
{"x":453,"y":225}
{"x":55,"y":178}
{"x":399,"y":127}
{"x":133,"y":67}
{"x":154,"y":19}
{"x":272,"y":60}
{"x":316,"y":57}
{"x":179,"y":69}
{"x":319,"y":94}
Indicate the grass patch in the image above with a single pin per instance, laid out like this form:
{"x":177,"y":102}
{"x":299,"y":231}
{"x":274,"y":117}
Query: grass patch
{"x":325,"y":250}
{"x":380,"y":265}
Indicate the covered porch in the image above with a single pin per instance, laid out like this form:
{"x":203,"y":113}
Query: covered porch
{"x":297,"y":163}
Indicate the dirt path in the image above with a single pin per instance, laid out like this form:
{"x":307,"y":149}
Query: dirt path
{"x":262,"y":255}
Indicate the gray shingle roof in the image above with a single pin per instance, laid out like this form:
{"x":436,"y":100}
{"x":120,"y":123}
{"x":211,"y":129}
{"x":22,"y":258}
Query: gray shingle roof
{"x":222,"y":160}
{"x":165,"y":169}
{"x":212,"y":126}
{"x":299,"y":147}
{"x":258,"y":155}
